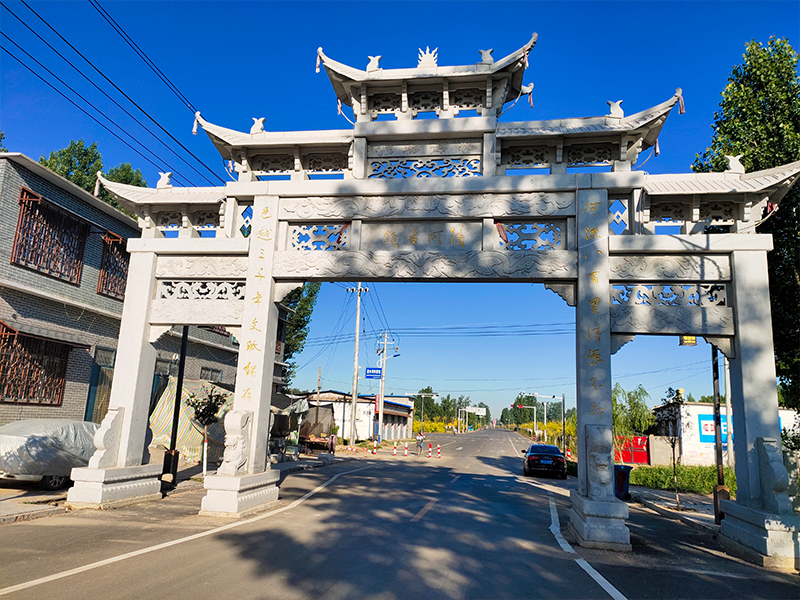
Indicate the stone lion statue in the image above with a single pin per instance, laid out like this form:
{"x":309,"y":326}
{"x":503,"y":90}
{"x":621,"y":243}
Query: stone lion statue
{"x":598,"y":448}
{"x":237,"y":438}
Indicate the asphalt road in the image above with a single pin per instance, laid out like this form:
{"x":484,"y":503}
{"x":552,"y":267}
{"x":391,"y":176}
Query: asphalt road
{"x":468,"y":525}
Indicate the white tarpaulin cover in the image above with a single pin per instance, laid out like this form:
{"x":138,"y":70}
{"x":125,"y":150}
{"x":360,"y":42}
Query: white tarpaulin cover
{"x":46,"y":446}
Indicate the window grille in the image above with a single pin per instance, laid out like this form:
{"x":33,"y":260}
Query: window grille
{"x":48,"y":240}
{"x":32,"y":370}
{"x":209,"y":374}
{"x":114,"y":268}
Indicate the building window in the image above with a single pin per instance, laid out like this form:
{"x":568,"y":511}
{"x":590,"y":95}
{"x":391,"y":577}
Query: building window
{"x":114,"y":268}
{"x":32,"y":370}
{"x":48,"y":240}
{"x":209,"y":374}
{"x":166,"y":367}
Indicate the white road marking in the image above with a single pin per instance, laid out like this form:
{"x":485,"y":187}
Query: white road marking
{"x":189,"y":538}
{"x":512,"y":443}
{"x":555,"y":528}
{"x":455,"y":478}
{"x":459,"y":448}
{"x":425,"y":509}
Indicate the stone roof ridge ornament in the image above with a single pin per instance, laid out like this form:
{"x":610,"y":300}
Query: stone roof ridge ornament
{"x":734,"y":166}
{"x":427,"y":58}
{"x":373,"y":63}
{"x":164,"y":181}
{"x":258,"y":125}
{"x":616,"y":111}
{"x":197,"y":118}
{"x":486,"y":56}
{"x":679,"y":96}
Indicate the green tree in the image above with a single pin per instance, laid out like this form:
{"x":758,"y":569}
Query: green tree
{"x":77,"y":162}
{"x":206,"y":412}
{"x":630,"y":414}
{"x":302,"y":301}
{"x":671,"y":418}
{"x":759,"y":118}
{"x":2,"y":137}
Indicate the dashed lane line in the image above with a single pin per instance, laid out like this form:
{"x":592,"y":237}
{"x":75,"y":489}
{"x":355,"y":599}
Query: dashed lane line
{"x":425,"y":509}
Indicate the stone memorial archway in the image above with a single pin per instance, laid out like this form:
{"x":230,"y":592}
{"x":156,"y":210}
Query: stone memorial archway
{"x":464,"y":198}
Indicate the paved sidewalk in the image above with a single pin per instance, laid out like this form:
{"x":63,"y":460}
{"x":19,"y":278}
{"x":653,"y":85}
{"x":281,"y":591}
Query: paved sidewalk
{"x":24,"y":501}
{"x":697,"y":510}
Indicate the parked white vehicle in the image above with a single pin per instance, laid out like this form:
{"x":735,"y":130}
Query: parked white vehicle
{"x":45,"y":450}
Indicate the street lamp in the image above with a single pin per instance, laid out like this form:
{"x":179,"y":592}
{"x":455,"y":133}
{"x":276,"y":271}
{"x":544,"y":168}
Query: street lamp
{"x":422,"y":410}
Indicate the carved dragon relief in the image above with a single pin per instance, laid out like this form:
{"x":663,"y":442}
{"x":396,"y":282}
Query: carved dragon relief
{"x":197,"y":312}
{"x":695,"y":268}
{"x":560,"y":264}
{"x":231,"y":267}
{"x":687,"y":320}
{"x":467,"y":205}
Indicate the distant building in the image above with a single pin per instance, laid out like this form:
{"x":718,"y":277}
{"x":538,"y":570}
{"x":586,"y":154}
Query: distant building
{"x":63,"y":271}
{"x":397,"y":413}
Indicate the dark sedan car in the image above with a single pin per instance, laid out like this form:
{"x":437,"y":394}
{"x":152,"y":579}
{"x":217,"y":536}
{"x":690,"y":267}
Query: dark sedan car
{"x":542,"y":458}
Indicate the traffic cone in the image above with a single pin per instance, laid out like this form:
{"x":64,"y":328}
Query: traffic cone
{"x":430,"y":449}
{"x":405,"y":452}
{"x":439,"y":451}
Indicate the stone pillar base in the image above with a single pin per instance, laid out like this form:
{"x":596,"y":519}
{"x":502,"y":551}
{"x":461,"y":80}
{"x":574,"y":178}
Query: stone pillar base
{"x":760,"y":537}
{"x":237,"y":496}
{"x":599,"y":525}
{"x":101,"y":488}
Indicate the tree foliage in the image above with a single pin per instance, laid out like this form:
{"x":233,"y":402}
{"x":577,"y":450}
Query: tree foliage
{"x":759,"y":118}
{"x":630,"y":413}
{"x":2,"y":147}
{"x":80,"y":163}
{"x":302,"y":301}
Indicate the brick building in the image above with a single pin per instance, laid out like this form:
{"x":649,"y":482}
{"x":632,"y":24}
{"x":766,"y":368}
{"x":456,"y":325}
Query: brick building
{"x":63,"y":270}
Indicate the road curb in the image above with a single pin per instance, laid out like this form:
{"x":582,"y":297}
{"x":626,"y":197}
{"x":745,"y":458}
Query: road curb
{"x":32,"y":515}
{"x":670,"y":514}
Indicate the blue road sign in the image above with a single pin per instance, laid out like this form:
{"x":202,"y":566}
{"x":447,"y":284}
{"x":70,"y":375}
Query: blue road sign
{"x":373,"y":373}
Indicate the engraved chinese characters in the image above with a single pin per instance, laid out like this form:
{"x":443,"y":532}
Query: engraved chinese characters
{"x":593,"y":335}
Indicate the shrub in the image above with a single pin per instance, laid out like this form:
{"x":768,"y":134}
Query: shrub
{"x":697,"y":479}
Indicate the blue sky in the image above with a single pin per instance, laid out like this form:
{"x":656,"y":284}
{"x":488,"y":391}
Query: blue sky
{"x":238,"y":60}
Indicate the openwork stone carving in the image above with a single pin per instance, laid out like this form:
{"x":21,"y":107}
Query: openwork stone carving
{"x":201,"y":290}
{"x":466,"y":205}
{"x":670,"y":211}
{"x":325,"y":163}
{"x":169,"y":219}
{"x":774,"y":477}
{"x":535,"y":236}
{"x":600,"y":154}
{"x":206,"y":219}
{"x":670,"y":267}
{"x":424,"y":265}
{"x":467,"y":98}
{"x":425,"y":101}
{"x":318,"y":237}
{"x":106,"y":440}
{"x":670,"y":295}
{"x":384,"y":102}
{"x":598,"y":449}
{"x":233,"y":267}
{"x":442,"y":167}
{"x":272,"y":163}
{"x":534,"y":156}
{"x":237,"y":443}
{"x":718,"y":211}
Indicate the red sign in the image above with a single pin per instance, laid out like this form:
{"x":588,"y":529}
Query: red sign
{"x":632,"y":451}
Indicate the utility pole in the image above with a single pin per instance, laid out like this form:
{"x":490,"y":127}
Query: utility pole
{"x":358,"y":290}
{"x":319,"y":383}
{"x":383,"y":382}
{"x":563,"y":426}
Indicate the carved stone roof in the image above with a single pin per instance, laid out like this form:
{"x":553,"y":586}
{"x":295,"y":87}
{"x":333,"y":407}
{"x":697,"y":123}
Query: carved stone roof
{"x":646,"y":123}
{"x":345,"y":78}
{"x":227,"y":140}
{"x":773,"y":182}
{"x":130,"y":196}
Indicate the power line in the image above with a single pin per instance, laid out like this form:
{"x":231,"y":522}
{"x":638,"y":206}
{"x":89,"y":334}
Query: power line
{"x":82,"y":74}
{"x":103,"y":75}
{"x":78,"y":107}
{"x":118,"y":28}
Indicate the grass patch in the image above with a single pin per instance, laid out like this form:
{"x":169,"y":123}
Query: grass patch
{"x":696,"y":479}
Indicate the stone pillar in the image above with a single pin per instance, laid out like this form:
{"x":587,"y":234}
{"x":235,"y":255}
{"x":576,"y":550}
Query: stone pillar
{"x":597,"y":518}
{"x":245,"y":481}
{"x":115,"y":471}
{"x":761,"y":519}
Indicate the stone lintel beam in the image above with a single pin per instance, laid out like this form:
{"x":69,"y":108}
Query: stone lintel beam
{"x":684,"y":244}
{"x":189,"y":246}
{"x":668,"y":269}
{"x":672,"y":320}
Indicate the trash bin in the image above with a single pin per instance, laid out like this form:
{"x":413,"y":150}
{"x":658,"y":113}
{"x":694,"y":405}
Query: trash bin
{"x":622,"y":476}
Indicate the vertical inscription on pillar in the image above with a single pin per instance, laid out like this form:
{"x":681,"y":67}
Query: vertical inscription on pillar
{"x":593,"y":334}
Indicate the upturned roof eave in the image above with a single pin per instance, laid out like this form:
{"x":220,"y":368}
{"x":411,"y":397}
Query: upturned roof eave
{"x":343,"y":76}
{"x":132,"y":197}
